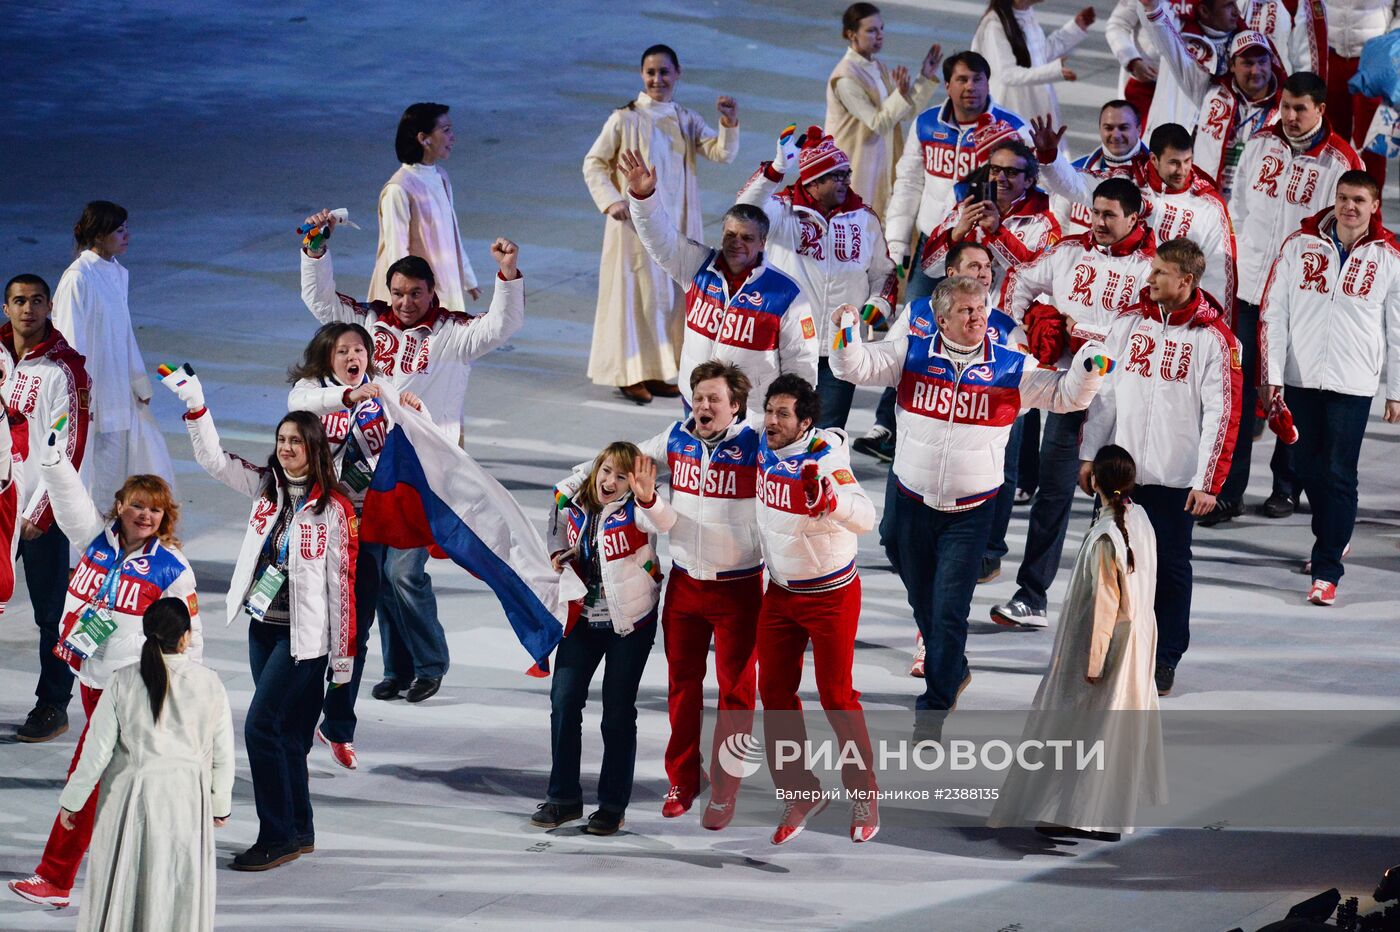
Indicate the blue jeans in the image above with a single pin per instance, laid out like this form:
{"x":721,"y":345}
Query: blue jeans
{"x":410,"y":634}
{"x":1029,"y":479}
{"x":278,"y":731}
{"x":1286,"y":480}
{"x":1165,"y":507}
{"x":1247,"y":332}
{"x":338,"y":711}
{"x":938,"y":555}
{"x":46,"y":574}
{"x":1001,"y":515}
{"x":920,"y":285}
{"x":884,"y":411}
{"x":1045,"y":538}
{"x":836,"y":396}
{"x":1331,"y":427}
{"x":574,"y":665}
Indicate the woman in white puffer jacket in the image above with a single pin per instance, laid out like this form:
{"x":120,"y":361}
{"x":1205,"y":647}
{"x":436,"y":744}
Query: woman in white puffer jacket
{"x":605,"y":532}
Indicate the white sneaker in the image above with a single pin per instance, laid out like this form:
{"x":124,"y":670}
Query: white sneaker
{"x":916,"y":669}
{"x":1017,"y":614}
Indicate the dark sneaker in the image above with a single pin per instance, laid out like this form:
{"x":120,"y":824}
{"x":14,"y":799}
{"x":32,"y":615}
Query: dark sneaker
{"x":263,"y":857}
{"x":991,"y":569}
{"x":423,"y":687}
{"x":879,"y":443}
{"x":1278,"y":505}
{"x":387,"y":688}
{"x":553,"y":815}
{"x":1166,"y":678}
{"x":44,"y":723}
{"x":604,"y":822}
{"x":1017,"y":614}
{"x":1222,"y":512}
{"x":306,"y":844}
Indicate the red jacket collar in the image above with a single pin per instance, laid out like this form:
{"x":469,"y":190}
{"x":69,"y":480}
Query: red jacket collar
{"x":52,"y":340}
{"x":1034,"y":202}
{"x":1151,"y":179}
{"x":1323,"y":225}
{"x":428,"y":321}
{"x":1139,"y":238}
{"x":799,"y":197}
{"x":1201,"y":310}
{"x":1323,"y":131}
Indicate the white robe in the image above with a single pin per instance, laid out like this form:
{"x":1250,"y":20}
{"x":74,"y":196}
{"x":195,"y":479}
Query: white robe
{"x":90,"y":309}
{"x":1028,"y":92}
{"x":640,"y":318}
{"x":151,"y":864}
{"x":438,"y":232}
{"x":1107,"y":624}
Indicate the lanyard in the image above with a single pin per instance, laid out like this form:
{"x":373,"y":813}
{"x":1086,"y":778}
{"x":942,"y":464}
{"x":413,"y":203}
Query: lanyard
{"x":107,"y":594}
{"x":290,"y":526}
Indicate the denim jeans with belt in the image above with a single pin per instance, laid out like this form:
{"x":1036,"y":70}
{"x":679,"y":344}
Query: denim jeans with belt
{"x":624,"y":658}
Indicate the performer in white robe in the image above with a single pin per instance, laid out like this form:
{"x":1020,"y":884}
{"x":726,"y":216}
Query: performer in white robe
{"x":1100,"y":683}
{"x":640,"y":317}
{"x":417,"y":215}
{"x":90,"y":309}
{"x":166,"y":783}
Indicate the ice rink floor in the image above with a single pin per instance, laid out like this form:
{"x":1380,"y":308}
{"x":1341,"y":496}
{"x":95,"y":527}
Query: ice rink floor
{"x":220,"y":126}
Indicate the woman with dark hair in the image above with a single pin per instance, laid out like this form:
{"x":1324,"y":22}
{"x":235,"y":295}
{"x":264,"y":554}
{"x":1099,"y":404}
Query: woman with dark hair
{"x":867,"y":103}
{"x":640,"y":318}
{"x":338,"y":381}
{"x":161,"y":740}
{"x":130,"y":558}
{"x":1101,"y":668}
{"x":90,"y":310}
{"x":1025,"y":62}
{"x":606,"y":532}
{"x":417,"y":215}
{"x":295,"y":578}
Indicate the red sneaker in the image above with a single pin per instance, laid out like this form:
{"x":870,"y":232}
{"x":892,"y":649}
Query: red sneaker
{"x":865,"y":820}
{"x":795,"y":816}
{"x":718,"y":814}
{"x":677,"y":802}
{"x":1322,"y":592}
{"x":38,"y":890}
{"x":343,"y":752}
{"x":916,"y":669}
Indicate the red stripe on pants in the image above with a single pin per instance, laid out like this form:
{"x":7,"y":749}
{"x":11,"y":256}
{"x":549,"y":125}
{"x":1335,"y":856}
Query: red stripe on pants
{"x":828,"y":620}
{"x":66,"y":847}
{"x":694,"y":611}
{"x":1351,"y":114}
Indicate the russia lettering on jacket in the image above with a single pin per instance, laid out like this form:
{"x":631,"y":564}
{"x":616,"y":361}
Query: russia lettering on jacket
{"x":734,"y":325}
{"x":88,"y":579}
{"x":718,"y":481}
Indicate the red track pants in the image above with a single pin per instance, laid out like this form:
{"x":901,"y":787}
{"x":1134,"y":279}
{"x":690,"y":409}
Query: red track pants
{"x":827,"y":620}
{"x":696,"y":610}
{"x":66,"y":847}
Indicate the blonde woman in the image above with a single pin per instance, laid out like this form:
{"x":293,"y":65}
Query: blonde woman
{"x":640,"y":318}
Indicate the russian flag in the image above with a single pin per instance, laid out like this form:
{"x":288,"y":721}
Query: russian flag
{"x":428,"y":491}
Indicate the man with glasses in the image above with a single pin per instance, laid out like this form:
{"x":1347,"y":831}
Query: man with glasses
{"x":1001,"y":208}
{"x":829,"y":241}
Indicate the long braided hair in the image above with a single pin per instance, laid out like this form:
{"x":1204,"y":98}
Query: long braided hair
{"x":1115,"y":475}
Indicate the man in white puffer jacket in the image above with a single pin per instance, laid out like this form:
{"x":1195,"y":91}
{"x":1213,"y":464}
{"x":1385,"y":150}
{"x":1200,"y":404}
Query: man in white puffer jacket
{"x":810,"y":510}
{"x":823,"y":235}
{"x":1330,"y":319}
{"x":959,"y":394}
{"x":738,"y":308}
{"x":1174,"y":404}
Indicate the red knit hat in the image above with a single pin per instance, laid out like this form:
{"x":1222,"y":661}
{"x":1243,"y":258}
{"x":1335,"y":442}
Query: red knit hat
{"x":819,"y":156}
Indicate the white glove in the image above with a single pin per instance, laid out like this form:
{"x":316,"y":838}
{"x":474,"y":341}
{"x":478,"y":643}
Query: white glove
{"x":185,"y":384}
{"x":788,"y":145}
{"x":53,"y":451}
{"x":898,"y":251}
